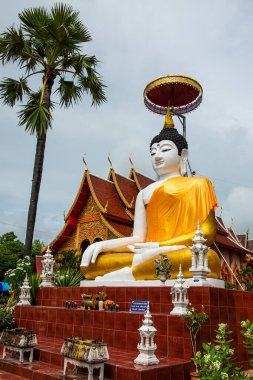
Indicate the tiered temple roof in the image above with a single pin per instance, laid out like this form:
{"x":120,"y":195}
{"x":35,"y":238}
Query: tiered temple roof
{"x":115,"y":200}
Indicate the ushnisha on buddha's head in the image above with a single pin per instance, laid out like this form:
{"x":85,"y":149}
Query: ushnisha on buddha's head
{"x":169,"y":150}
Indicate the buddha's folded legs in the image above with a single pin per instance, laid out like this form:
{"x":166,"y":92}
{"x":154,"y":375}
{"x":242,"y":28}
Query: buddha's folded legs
{"x":145,"y":270}
{"x":110,"y":262}
{"x":107,"y":263}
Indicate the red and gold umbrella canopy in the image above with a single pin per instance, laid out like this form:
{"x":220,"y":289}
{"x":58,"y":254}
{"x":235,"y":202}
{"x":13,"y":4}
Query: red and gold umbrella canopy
{"x":180,"y":93}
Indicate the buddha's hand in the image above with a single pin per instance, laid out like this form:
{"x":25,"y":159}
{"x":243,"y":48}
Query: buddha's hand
{"x":140,"y":248}
{"x":91,"y":253}
{"x":145,"y":245}
{"x":143,"y":254}
{"x":149,"y":251}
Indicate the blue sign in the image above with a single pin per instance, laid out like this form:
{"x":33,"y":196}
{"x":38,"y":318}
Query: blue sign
{"x":139,"y":306}
{"x":4,"y":287}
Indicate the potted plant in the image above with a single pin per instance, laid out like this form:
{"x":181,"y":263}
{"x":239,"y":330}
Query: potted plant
{"x":162,"y":268}
{"x":215,"y":362}
{"x":193,"y":321}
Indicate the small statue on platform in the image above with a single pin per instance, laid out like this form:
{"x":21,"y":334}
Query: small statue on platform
{"x":166,"y":214}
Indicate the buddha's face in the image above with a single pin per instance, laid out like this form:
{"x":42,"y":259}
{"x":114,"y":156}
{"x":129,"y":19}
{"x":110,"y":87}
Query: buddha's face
{"x":165,"y":157}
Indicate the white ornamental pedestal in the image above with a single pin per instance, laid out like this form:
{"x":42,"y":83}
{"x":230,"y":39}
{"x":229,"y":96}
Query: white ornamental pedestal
{"x":25,"y":293}
{"x":199,"y":268}
{"x":147,"y":346}
{"x":48,"y":268}
{"x":179,"y":295}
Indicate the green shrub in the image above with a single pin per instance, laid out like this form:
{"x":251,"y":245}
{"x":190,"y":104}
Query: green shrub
{"x":247,"y":332}
{"x":34,"y":282}
{"x":216,"y":360}
{"x":68,"y":277}
{"x":193,"y":321}
{"x":69,"y":260}
{"x":6,"y":317}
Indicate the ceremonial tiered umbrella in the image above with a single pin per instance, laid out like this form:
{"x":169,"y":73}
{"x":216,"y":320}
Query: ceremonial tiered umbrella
{"x":180,"y":93}
{"x":173,"y":94}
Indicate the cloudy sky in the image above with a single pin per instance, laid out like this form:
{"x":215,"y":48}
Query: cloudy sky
{"x":137,"y":41}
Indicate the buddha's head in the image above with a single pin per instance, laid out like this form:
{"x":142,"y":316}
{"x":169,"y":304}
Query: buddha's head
{"x":169,"y":150}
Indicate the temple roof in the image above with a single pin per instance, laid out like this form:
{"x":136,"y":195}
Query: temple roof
{"x":140,"y":180}
{"x":127,"y":188}
{"x":226,"y":237}
{"x":106,"y":198}
{"x":115,"y":199}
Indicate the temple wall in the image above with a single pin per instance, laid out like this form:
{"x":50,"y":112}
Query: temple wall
{"x":233,"y":260}
{"x":90,"y":209}
{"x":92,"y":230}
{"x":89,"y":227}
{"x":69,"y":243}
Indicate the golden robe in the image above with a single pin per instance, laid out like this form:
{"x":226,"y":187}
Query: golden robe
{"x":173,"y":211}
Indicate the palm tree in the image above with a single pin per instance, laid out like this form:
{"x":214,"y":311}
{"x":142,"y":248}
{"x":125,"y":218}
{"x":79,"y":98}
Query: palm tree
{"x":47,"y":43}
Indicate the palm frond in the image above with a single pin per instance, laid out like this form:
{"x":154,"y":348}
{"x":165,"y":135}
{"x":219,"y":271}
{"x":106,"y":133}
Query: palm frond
{"x":79,"y":63}
{"x":14,"y":47}
{"x":36,"y":117}
{"x":30,"y":65}
{"x":56,"y":32}
{"x":35,"y":21}
{"x":69,"y":93}
{"x":65,"y":23}
{"x":12,"y":43}
{"x":12,"y":90}
{"x":93,"y":85}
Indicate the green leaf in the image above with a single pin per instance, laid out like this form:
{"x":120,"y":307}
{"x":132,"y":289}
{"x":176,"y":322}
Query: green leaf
{"x":34,"y":22}
{"x":12,"y":90}
{"x":92,"y":84}
{"x":69,"y":93}
{"x":79,"y":63}
{"x":34,"y":116}
{"x":12,"y":43}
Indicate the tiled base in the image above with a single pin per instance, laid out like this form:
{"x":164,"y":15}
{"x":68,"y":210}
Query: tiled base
{"x":119,"y":330}
{"x":211,"y":282}
{"x":7,"y":376}
{"x":49,"y":365}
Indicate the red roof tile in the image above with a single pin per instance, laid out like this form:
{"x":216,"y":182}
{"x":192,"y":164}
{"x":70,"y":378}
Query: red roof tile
{"x":242,"y":239}
{"x":143,"y":181}
{"x":121,"y":228}
{"x":108,"y":197}
{"x":127,"y":188}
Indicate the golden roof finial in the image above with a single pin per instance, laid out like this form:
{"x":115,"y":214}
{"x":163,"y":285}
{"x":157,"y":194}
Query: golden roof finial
{"x":85,"y":163}
{"x":130,"y":159}
{"x":221,"y":212}
{"x":168,"y":120}
{"x":247,"y":233}
{"x":64,"y":216}
{"x":110,"y":162}
{"x":232,"y":223}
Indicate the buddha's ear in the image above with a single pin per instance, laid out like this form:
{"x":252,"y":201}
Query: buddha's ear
{"x":183,"y":161}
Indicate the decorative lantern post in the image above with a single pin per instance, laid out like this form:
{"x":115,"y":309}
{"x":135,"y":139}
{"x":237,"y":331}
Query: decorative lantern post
{"x":147,"y":346}
{"x":25,"y":293}
{"x":48,"y":268}
{"x":179,"y":295}
{"x":199,"y":268}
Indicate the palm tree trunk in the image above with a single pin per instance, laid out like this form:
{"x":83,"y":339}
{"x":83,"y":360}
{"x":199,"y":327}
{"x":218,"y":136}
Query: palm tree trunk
{"x":37,"y":171}
{"x":36,"y":181}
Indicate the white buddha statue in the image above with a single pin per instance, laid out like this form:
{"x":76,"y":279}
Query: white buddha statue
{"x":166,"y":215}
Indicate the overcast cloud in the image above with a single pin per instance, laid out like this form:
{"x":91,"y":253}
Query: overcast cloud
{"x":136,"y":41}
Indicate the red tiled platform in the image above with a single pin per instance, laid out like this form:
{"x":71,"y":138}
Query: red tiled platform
{"x":48,"y":365}
{"x":7,"y":376}
{"x":52,"y":323}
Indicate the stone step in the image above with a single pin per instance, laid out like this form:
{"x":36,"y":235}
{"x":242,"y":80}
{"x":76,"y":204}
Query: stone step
{"x":118,"y":329}
{"x":48,"y":365}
